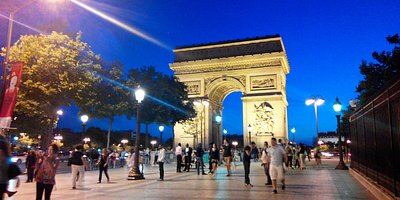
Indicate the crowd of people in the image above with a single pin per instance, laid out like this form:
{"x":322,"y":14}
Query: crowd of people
{"x":42,"y":166}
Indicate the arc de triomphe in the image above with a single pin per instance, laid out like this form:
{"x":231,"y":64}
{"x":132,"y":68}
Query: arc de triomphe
{"x":256,"y":67}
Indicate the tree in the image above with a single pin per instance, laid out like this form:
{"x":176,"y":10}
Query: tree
{"x":59,"y":70}
{"x":377,"y":74}
{"x":109,"y":98}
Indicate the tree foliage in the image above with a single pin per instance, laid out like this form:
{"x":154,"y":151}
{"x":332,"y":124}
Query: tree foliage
{"x":377,"y":74}
{"x":59,"y":70}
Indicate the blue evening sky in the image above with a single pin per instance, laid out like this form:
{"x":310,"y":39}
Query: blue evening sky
{"x":325,"y":42}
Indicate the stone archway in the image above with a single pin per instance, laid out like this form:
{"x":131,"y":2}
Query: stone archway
{"x":256,"y":67}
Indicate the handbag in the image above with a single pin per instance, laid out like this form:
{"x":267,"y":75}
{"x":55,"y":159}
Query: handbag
{"x":69,"y":162}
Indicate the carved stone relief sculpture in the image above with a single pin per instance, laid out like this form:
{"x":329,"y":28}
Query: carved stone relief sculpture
{"x":263,"y":82}
{"x":193,"y":87}
{"x":264,"y":119}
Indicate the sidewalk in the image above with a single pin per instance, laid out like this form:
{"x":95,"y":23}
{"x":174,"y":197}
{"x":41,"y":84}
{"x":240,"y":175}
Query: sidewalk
{"x":312,"y":183}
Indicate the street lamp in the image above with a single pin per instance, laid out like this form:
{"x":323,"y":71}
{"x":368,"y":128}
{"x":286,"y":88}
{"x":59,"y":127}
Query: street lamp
{"x":338,"y":108}
{"x":153,"y":142}
{"x":84,"y":119}
{"x":317,"y":101}
{"x":86,"y":140}
{"x":218,"y":120}
{"x":293,"y":130}
{"x":60,"y":112}
{"x":161,"y":129}
{"x":249,"y":130}
{"x":124,"y":142}
{"x":134,"y":172}
{"x":225,"y":132}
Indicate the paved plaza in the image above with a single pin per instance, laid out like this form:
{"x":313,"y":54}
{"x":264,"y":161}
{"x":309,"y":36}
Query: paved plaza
{"x":313,"y":183}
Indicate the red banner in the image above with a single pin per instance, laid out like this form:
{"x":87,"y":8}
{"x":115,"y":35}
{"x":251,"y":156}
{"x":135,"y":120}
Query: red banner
{"x":10,"y":96}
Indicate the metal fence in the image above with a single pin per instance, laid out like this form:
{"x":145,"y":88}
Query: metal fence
{"x":375,"y":136}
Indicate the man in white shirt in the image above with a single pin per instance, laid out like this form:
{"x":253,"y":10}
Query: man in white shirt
{"x":178,"y":153}
{"x":277,"y":156}
{"x":161,"y":160}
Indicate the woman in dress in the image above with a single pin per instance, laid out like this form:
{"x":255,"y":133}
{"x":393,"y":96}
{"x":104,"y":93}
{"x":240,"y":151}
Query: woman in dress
{"x":46,"y":167}
{"x":214,"y":157}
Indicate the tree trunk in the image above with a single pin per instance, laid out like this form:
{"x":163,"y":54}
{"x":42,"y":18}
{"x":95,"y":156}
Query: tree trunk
{"x":47,"y":138}
{"x":110,"y":122}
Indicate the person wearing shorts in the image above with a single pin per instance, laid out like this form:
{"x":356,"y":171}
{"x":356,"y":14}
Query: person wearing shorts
{"x":227,"y":156}
{"x":278,"y":158}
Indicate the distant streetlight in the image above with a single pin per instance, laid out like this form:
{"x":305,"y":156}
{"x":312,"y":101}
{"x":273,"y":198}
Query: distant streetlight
{"x":58,"y":137}
{"x":249,"y":130}
{"x":161,"y":129}
{"x":293,"y":130}
{"x":316,"y":101}
{"x":320,"y":142}
{"x":124,"y":141}
{"x":225,"y":132}
{"x":134,"y":172}
{"x":235,"y":143}
{"x":338,"y":108}
{"x":84,"y":119}
{"x":60,"y":112}
{"x":86,"y":140}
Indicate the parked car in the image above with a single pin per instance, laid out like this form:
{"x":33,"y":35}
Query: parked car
{"x":18,"y":158}
{"x":327,"y":155}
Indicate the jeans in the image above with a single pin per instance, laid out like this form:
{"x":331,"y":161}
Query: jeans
{"x":47,"y":188}
{"x":246,"y":166}
{"x":30,"y":174}
{"x":200,"y":163}
{"x":101,"y":169}
{"x":161,"y":168}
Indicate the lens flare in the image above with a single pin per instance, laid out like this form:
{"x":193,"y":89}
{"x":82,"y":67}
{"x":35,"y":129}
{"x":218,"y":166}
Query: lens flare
{"x":119,"y":23}
{"x":22,"y":24}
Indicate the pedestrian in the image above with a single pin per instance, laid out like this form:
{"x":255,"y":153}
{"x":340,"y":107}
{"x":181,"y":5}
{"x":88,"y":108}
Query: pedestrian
{"x":289,"y":153}
{"x":296,"y":157}
{"x":227,"y":153}
{"x":188,"y":157}
{"x":78,"y":164}
{"x":30,"y":165}
{"x":277,"y":156}
{"x":254,"y":152}
{"x":178,"y":153}
{"x":161,"y":160}
{"x":8,"y":171}
{"x":103,"y":164}
{"x":246,"y":165}
{"x":46,"y":167}
{"x":214,"y":157}
{"x":199,"y":159}
{"x":302,"y":156}
{"x":209,"y":159}
{"x":317,"y":156}
{"x":265,"y":162}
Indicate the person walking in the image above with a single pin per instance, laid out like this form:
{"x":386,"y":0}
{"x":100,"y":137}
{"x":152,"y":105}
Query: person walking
{"x":188,"y":157}
{"x":30,"y":165}
{"x":317,"y":156}
{"x":46,"y":167}
{"x":78,"y":164}
{"x":265,"y":162}
{"x":246,"y":165}
{"x":8,"y":171}
{"x":161,"y":160}
{"x":209,"y":159}
{"x":103,"y":164}
{"x":277,"y":156}
{"x":289,"y":153}
{"x":227,"y":153}
{"x":199,"y":159}
{"x":214,"y":157}
{"x":178,"y":153}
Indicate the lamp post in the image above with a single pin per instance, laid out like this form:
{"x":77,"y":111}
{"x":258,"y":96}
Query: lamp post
{"x":84,"y":119}
{"x":161,"y":129}
{"x":134,"y":172}
{"x":225,"y":132}
{"x":249,"y":130}
{"x":338,"y":108}
{"x":218,"y":120}
{"x":316,"y":101}
{"x":293,"y":130}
